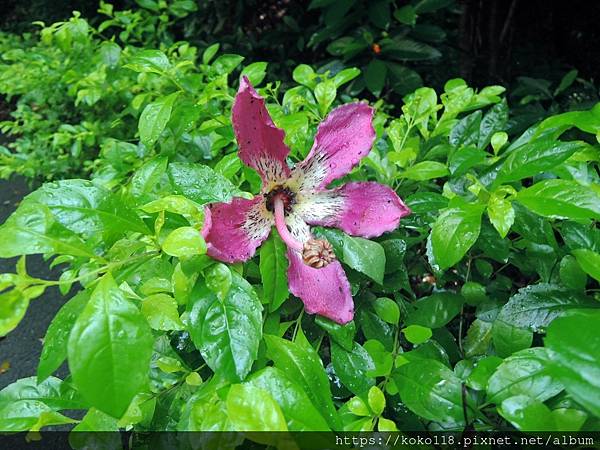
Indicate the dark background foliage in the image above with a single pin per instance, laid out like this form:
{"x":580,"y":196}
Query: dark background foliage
{"x":489,"y":41}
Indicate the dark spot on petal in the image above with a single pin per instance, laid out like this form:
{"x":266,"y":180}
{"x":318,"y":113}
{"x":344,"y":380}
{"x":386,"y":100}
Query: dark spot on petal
{"x":340,"y":289}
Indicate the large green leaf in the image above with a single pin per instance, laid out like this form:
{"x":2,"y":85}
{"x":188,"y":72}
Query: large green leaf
{"x":13,"y":306}
{"x":561,"y":199}
{"x":251,"y":408}
{"x":431,"y":390}
{"x":154,"y":118}
{"x":297,"y":407}
{"x":535,"y":306}
{"x":534,"y":158}
{"x":303,"y":365}
{"x":24,"y":415}
{"x":53,"y":392}
{"x":54,"y":351}
{"x":201,"y":183}
{"x":454,"y":233}
{"x":524,"y":373}
{"x":32,"y":229}
{"x":227,"y":331}
{"x":589,"y":261}
{"x":352,"y":367}
{"x":574,"y":342}
{"x":273,"y":271}
{"x":88,"y":210}
{"x":109,"y":349}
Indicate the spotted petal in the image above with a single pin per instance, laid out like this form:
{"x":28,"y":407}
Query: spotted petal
{"x":342,"y":140}
{"x":260,"y":142}
{"x":237,"y":229}
{"x":324,"y":291}
{"x":366,"y":209}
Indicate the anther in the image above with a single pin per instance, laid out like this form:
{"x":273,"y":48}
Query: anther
{"x":318,"y":253}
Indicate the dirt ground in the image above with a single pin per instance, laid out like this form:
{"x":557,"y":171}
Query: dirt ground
{"x":20,"y":349}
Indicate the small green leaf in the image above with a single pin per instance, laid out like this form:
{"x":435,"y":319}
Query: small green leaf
{"x":425,"y":170}
{"x":154,"y":119}
{"x":376,"y":400}
{"x":436,"y":310}
{"x":273,"y":271}
{"x":13,"y":306}
{"x":387,"y":309}
{"x":454,"y":233}
{"x":160,"y":310}
{"x":417,"y":334}
{"x":184,"y":242}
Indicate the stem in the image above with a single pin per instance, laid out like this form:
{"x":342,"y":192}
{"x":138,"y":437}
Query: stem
{"x":286,"y":237}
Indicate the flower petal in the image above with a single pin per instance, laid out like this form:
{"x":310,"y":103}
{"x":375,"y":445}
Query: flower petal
{"x":366,"y":209}
{"x":323,"y":291}
{"x":238,"y":228}
{"x":343,"y":139}
{"x":259,"y":140}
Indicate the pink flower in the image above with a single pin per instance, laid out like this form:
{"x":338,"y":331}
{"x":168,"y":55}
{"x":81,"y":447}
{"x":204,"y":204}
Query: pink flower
{"x":292,"y":199}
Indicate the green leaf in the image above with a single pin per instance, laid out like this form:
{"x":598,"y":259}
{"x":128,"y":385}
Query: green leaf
{"x":425,"y":170}
{"x":32,"y":229}
{"x":345,"y":76}
{"x":13,"y":306}
{"x":342,"y":334}
{"x":589,"y":262}
{"x":478,"y":338}
{"x":184,"y":242}
{"x":273,"y":271}
{"x":483,"y":370}
{"x":227,"y":332}
{"x":535,"y":306}
{"x":154,"y":119}
{"x":24,"y":415}
{"x":304,"y":74}
{"x":574,"y":342}
{"x":509,"y":339}
{"x":525,"y":373}
{"x":89,"y":210}
{"x":527,"y":414}
{"x":210,"y":52}
{"x":160,"y":310}
{"x":436,"y":310}
{"x":218,"y":279}
{"x":109,"y":349}
{"x":454,"y":233}
{"x":325,"y":93}
{"x":387,"y":309}
{"x":150,"y":61}
{"x":364,"y":256}
{"x":303,"y":365}
{"x":571,"y":274}
{"x":376,"y":400}
{"x":54,"y":351}
{"x":492,"y":123}
{"x":251,"y":408}
{"x":561,"y":199}
{"x":466,"y":131}
{"x":500,"y":213}
{"x":417,"y":334}
{"x":534,"y":158}
{"x":201,"y":183}
{"x":53,"y":392}
{"x":406,"y":15}
{"x":430,"y":390}
{"x":147,"y":177}
{"x":255,"y":72}
{"x":297,"y":407}
{"x":375,"y":76}
{"x":225,"y":64}
{"x":382,"y":359}
{"x":352,"y":366}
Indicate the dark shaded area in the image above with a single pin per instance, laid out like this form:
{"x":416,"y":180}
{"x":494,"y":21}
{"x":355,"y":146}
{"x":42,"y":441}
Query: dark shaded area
{"x":489,"y":41}
{"x":20,"y":349}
